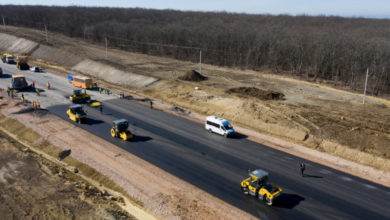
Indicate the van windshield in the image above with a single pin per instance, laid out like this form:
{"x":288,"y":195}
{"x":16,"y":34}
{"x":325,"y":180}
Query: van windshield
{"x":227,"y":126}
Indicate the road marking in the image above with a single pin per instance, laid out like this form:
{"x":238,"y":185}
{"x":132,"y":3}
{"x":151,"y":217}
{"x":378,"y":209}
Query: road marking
{"x":345,"y":178}
{"x":288,"y":158}
{"x":369,"y":186}
{"x":323,"y":171}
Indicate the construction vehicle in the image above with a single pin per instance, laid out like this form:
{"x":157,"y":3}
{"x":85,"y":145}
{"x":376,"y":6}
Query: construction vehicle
{"x":18,"y":82}
{"x":36,"y":69}
{"x":257,"y":185}
{"x":70,"y":77}
{"x":94,"y":103}
{"x":119,"y":129}
{"x":7,"y":58}
{"x":21,"y":62}
{"x":76,"y":113}
{"x":79,"y":96}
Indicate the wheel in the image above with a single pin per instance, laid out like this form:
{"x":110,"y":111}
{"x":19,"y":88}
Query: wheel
{"x":210,"y":130}
{"x":245,"y":190}
{"x":269,"y":201}
{"x":225,"y":135}
{"x":112,"y":132}
{"x":78,"y":120}
{"x":260,"y":197}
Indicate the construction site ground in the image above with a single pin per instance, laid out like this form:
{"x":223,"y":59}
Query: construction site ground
{"x":128,"y":176}
{"x":314,"y":115}
{"x":32,"y":187}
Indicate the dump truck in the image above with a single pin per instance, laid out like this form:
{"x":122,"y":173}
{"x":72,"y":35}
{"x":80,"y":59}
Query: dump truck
{"x":79,"y":96}
{"x":21,"y":62}
{"x":257,"y":185}
{"x":76,"y":113}
{"x":7,"y":58}
{"x":19,"y":82}
{"x":119,"y":129}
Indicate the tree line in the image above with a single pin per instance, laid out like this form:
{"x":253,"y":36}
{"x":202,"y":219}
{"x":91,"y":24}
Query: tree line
{"x":311,"y":47}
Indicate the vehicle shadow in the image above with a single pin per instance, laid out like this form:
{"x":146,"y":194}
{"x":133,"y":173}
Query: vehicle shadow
{"x":288,"y":201}
{"x":5,"y":75}
{"x":138,"y":138}
{"x":129,"y":97}
{"x":237,"y":135}
{"x":312,"y":176}
{"x":91,"y":121}
{"x":31,"y":89}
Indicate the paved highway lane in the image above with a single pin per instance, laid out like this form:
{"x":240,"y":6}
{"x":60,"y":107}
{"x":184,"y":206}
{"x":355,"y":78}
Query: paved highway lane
{"x":217,"y":165}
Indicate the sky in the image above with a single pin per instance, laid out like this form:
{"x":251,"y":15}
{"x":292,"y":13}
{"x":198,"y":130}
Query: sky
{"x":346,"y":8}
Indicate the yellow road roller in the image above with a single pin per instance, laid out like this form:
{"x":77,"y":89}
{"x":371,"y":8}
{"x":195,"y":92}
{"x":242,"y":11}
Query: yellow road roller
{"x":257,"y":185}
{"x":119,"y":129}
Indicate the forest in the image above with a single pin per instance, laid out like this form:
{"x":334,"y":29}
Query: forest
{"x":336,"y":49}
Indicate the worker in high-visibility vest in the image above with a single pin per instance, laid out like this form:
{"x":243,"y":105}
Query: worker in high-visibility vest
{"x":48,"y":85}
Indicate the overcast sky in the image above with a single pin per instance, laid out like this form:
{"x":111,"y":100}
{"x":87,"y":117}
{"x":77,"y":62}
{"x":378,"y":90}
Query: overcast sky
{"x":348,"y":8}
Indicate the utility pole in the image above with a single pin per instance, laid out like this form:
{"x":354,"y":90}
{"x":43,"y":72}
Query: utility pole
{"x":106,"y":46}
{"x":84,"y":32}
{"x":3,"y":22}
{"x":200,"y":60}
{"x":365,"y":88}
{"x":47,"y":38}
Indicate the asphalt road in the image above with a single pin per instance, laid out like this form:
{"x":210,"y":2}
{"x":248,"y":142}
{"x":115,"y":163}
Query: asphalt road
{"x":217,"y":164}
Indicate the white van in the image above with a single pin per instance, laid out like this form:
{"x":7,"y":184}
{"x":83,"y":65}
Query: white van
{"x":218,"y":125}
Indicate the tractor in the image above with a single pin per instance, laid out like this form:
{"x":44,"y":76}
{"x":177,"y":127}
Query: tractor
{"x":76,"y":114}
{"x":79,"y":96}
{"x":119,"y":129}
{"x":257,"y":185}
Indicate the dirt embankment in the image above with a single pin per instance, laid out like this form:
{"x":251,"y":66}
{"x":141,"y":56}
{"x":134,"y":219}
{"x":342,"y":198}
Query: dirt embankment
{"x":256,"y":93}
{"x":70,"y":59}
{"x":193,"y":75}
